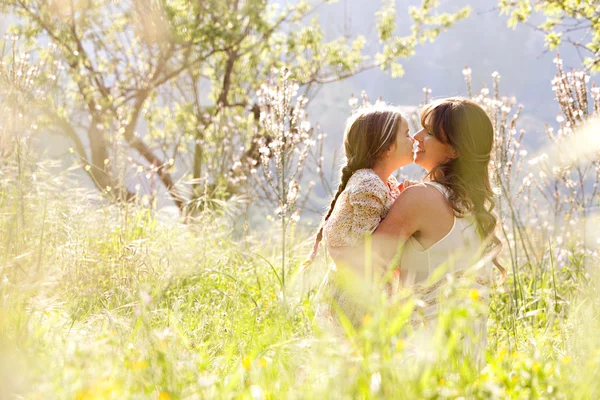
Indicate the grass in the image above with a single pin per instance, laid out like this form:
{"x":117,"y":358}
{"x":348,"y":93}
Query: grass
{"x":107,"y":302}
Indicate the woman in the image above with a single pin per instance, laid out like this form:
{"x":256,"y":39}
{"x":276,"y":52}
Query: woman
{"x":447,"y":221}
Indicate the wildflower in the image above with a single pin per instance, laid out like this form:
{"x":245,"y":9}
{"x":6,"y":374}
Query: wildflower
{"x":305,"y":126}
{"x":256,"y":392}
{"x":87,"y":168}
{"x":375,"y":382}
{"x":206,"y":380}
{"x":400,"y":345}
{"x":293,"y":191}
{"x":296,"y":216}
{"x":246,"y":363}
{"x":264,"y":361}
{"x":138,"y":365}
{"x":146,"y":298}
{"x":264,"y":150}
{"x":353,"y":101}
{"x":474,"y":294}
{"x":557,"y":60}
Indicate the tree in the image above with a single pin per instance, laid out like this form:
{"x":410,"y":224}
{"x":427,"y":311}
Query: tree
{"x":576,"y":22}
{"x":187,"y":72}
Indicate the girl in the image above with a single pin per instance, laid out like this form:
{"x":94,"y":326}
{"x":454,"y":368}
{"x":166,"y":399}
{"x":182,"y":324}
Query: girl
{"x":376,"y":143}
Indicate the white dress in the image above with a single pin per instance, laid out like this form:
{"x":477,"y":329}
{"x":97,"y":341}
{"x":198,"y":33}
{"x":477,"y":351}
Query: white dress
{"x":456,"y":263}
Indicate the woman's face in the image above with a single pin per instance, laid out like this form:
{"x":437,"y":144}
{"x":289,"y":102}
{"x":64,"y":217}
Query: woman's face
{"x":431,"y":152}
{"x":402,"y":150}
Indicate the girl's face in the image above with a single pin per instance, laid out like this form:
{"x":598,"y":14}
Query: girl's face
{"x":401,"y":152}
{"x":431,"y":151}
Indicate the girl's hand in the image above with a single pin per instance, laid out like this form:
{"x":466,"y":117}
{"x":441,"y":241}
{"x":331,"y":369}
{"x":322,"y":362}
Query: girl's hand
{"x":407,"y":183}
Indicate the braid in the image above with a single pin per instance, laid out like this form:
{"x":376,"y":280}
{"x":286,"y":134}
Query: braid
{"x":347,"y":172}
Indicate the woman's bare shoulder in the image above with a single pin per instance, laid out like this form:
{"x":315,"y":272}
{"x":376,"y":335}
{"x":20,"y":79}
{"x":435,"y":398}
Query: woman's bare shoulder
{"x":421,"y":195}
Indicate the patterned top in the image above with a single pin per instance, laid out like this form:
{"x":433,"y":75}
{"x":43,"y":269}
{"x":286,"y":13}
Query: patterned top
{"x":362,"y":205}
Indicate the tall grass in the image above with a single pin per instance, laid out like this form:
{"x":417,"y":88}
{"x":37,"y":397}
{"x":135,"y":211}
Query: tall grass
{"x":107,"y":302}
{"x":117,"y":301}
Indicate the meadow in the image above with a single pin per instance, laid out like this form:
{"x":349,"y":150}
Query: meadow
{"x":107,"y":294}
{"x":106,"y":300}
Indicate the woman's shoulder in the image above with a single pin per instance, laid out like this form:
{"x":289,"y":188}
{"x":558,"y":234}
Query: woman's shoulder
{"x":439,"y":187}
{"x":423,"y":196}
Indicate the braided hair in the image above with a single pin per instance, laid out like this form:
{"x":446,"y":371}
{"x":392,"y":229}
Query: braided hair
{"x":370,"y":132}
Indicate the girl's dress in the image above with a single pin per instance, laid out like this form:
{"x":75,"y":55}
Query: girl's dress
{"x":362,"y":205}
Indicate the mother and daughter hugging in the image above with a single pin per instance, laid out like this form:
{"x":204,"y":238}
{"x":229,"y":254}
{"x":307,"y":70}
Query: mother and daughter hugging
{"x":412,"y":229}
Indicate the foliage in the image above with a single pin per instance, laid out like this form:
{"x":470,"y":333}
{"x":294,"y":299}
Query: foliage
{"x":576,"y":22}
{"x":120,"y":65}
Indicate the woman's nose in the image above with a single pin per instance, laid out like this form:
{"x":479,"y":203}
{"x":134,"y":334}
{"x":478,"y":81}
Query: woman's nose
{"x":418,"y":136}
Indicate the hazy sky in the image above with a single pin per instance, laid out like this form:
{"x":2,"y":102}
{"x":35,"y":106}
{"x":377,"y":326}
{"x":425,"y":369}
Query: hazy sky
{"x":483,"y":41}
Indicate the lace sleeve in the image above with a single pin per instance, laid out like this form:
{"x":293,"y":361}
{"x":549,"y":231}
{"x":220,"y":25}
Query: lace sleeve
{"x":367,"y":210}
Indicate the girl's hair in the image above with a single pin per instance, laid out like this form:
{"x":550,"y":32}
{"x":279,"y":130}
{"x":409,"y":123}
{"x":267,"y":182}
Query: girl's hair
{"x":370,"y":132}
{"x":465,"y":126}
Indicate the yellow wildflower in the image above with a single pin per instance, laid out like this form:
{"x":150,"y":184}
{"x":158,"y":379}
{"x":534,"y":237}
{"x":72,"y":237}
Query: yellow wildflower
{"x":474,"y":294}
{"x":246,"y":362}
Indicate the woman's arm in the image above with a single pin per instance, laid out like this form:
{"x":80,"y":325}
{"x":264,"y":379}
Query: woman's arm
{"x":376,"y":257}
{"x":404,"y":219}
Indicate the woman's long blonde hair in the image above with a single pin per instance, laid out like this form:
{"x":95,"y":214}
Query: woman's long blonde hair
{"x":370,"y":132}
{"x":465,"y":126}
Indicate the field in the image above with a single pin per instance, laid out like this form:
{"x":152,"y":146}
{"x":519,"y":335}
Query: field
{"x":104,"y":301}
{"x":106,"y":294}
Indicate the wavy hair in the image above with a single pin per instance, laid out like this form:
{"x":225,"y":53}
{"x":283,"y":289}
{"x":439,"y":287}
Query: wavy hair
{"x":464,"y":125}
{"x":370,"y":132}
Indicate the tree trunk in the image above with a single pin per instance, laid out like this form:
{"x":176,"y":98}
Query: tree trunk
{"x":101,"y":172}
{"x":197,"y":167}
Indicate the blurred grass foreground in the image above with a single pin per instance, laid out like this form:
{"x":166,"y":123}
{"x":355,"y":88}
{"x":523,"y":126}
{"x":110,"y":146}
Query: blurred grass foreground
{"x":104,"y":295}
